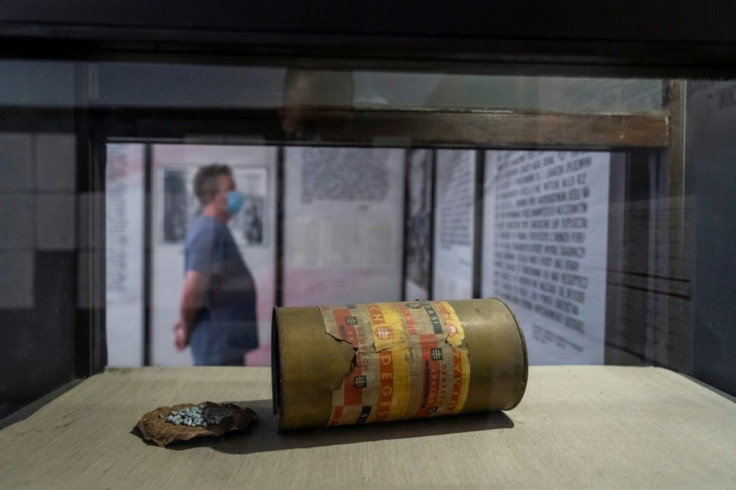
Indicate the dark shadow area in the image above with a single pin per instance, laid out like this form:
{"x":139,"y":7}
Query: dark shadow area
{"x":264,"y":434}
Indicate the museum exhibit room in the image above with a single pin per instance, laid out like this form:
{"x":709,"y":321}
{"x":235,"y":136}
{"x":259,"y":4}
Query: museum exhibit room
{"x":381,"y":245}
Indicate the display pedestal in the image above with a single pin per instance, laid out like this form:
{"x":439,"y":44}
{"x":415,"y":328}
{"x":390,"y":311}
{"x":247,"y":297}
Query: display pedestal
{"x":582,"y":426}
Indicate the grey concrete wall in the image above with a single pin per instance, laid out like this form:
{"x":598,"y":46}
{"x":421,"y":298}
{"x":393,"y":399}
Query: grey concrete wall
{"x":711,"y":158}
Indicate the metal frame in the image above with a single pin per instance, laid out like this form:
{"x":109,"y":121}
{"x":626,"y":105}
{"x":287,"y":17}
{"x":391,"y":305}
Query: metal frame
{"x":465,"y":37}
{"x":627,"y":37}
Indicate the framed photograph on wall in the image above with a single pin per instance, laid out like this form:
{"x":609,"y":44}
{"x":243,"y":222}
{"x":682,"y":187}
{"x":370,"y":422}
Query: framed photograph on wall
{"x":176,"y":205}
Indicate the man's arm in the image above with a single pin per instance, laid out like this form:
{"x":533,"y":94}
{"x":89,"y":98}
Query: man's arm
{"x":192,"y":300}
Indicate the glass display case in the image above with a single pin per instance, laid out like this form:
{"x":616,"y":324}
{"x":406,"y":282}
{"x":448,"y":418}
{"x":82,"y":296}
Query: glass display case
{"x":587,"y":185}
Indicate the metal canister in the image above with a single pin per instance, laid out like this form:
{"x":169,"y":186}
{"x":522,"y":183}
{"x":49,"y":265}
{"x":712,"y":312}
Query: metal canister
{"x":363,"y":363}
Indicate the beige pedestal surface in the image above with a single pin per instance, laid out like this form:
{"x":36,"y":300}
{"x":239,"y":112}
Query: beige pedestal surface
{"x":579,"y":427}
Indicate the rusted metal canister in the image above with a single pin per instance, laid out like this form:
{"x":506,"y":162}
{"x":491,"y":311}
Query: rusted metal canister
{"x":363,"y":363}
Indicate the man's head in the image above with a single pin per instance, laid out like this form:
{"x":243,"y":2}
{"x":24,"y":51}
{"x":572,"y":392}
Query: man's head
{"x":212,"y":185}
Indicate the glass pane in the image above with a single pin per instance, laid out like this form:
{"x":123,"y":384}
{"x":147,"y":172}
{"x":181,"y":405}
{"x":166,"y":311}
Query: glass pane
{"x":597,"y":209}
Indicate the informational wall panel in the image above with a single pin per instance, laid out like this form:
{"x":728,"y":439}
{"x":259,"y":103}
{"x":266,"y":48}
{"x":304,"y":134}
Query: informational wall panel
{"x":124,"y":255}
{"x":545,"y":249}
{"x":418,"y":235}
{"x":174,"y":207}
{"x":343,"y":225}
{"x":454,"y":226}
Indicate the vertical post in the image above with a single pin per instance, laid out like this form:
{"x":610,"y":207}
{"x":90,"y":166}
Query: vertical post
{"x":404,"y":227}
{"x":480,"y":164}
{"x":677,"y":232}
{"x":147,"y":253}
{"x":279,"y":198}
{"x":432,"y":215}
{"x":91,"y":344}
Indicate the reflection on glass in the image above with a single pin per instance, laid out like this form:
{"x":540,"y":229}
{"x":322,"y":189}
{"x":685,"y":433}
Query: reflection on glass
{"x":594,"y":207}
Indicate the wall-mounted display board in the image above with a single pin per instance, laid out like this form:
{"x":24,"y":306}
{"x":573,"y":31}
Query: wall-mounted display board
{"x":124,"y":220}
{"x":454,"y":224}
{"x":545,"y":248}
{"x":418,"y":227}
{"x":343,"y":225}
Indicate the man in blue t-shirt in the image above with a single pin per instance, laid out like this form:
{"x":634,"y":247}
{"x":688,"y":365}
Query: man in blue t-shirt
{"x":218,"y":302}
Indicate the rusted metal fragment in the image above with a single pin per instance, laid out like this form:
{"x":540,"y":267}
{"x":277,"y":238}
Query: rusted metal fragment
{"x":155,"y":427}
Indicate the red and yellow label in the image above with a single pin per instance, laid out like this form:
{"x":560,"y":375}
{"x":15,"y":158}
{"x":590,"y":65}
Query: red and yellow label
{"x":410,"y":361}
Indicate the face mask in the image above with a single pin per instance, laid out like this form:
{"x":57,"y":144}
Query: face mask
{"x":234,"y":202}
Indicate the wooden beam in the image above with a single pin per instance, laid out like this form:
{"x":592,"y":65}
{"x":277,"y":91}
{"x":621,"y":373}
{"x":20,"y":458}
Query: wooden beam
{"x":496,"y":129}
{"x":396,"y":127}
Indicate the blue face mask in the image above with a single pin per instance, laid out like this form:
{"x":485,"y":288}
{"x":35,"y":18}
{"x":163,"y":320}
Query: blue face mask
{"x":234,"y":202}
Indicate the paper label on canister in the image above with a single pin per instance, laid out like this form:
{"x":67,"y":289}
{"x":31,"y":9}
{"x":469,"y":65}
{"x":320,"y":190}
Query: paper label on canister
{"x":410,"y":361}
